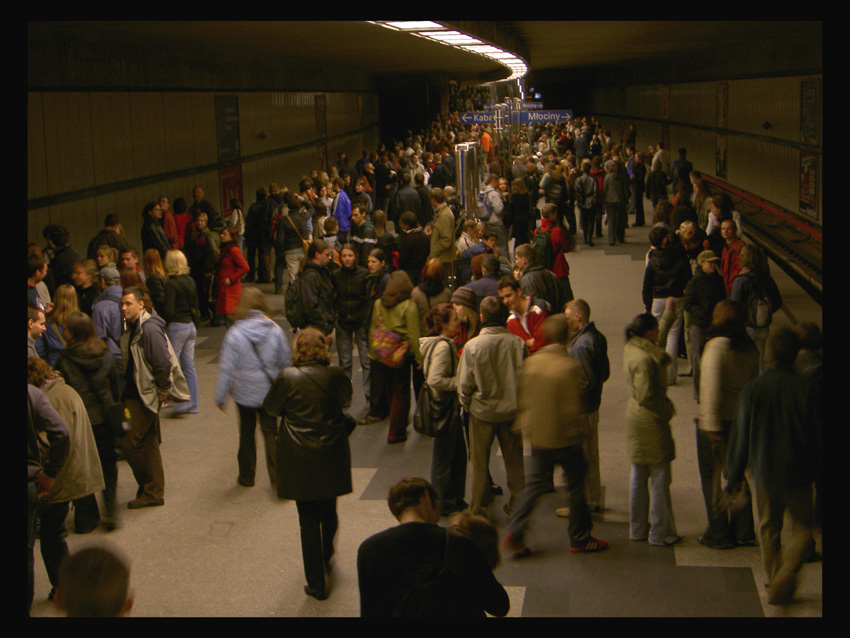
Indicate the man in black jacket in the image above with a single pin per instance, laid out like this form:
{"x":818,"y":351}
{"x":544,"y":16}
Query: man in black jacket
{"x":590,"y":348}
{"x":407,"y":199}
{"x":254,"y":237}
{"x":318,"y":295}
{"x":703,"y":292}
{"x":537,"y":281}
{"x":419,"y":569}
{"x":362,"y":234}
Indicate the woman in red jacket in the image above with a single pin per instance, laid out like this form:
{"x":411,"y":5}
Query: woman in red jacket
{"x":228,"y":278}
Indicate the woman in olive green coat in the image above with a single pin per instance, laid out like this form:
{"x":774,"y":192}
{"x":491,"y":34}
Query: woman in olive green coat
{"x":650,"y":439}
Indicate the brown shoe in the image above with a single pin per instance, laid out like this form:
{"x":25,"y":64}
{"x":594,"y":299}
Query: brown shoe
{"x":139,"y":503}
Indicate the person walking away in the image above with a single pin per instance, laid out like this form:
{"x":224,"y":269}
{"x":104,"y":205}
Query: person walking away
{"x":774,"y":443}
{"x":253,"y":353}
{"x":313,"y":455}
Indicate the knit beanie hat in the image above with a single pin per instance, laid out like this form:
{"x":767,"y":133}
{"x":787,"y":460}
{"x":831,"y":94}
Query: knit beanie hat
{"x":465,"y":296}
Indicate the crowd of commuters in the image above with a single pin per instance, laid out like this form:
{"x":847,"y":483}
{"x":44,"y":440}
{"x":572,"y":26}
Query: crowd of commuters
{"x":479,"y":308}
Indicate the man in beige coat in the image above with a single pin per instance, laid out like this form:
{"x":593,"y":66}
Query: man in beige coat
{"x":550,"y":405}
{"x":443,"y":235}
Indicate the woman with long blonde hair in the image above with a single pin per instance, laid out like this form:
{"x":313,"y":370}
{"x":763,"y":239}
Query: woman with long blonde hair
{"x":54,"y":340}
{"x":180,"y":310}
{"x":155,"y":278}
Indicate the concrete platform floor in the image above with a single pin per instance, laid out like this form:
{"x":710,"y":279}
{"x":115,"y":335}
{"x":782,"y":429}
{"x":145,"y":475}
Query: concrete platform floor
{"x":216,"y":549}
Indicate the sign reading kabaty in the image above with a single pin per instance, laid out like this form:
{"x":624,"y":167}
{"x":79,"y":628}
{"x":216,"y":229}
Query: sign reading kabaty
{"x":476,"y":117}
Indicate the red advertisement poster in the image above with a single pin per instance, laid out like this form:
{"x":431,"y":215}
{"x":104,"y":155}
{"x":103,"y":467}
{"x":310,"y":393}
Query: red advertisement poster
{"x":231,"y":187}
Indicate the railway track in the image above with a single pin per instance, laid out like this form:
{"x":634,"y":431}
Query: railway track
{"x":796,"y":247}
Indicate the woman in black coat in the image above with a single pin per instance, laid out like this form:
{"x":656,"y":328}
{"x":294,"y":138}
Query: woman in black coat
{"x":313,"y":457}
{"x":89,"y":368}
{"x":521,"y":207}
{"x":153,"y":234}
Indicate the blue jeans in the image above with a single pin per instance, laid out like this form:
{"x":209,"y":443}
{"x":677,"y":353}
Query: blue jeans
{"x":672,"y":346}
{"x":346,"y":337}
{"x":182,"y":338}
{"x":651,"y":510}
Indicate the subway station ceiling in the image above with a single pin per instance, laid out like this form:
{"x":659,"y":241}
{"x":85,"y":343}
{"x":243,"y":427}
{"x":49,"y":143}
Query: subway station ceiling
{"x":547,"y":46}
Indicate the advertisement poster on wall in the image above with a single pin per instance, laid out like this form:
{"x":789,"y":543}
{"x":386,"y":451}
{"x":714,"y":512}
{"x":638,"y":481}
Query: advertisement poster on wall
{"x":810,"y":110}
{"x":808,"y":184}
{"x":722,"y":105}
{"x":321,"y":106}
{"x":227,"y":124}
{"x":720,"y":169}
{"x":231,"y":188}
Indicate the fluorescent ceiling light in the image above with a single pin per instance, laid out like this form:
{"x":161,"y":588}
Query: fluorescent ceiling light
{"x":478,"y":48}
{"x":438,"y":33}
{"x":414,"y":26}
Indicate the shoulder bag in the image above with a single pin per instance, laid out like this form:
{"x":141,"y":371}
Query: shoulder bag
{"x":390,"y":346}
{"x":432,"y":416}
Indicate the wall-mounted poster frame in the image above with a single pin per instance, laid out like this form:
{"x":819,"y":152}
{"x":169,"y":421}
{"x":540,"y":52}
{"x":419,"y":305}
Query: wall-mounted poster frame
{"x":723,"y":105}
{"x":720,"y":168}
{"x":810,"y":109}
{"x":809,"y":184}
{"x":321,"y":105}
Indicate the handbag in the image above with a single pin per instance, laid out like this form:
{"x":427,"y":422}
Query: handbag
{"x":390,"y":346}
{"x":433,"y":416}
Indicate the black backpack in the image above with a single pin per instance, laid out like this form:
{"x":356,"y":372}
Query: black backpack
{"x":542,"y":245}
{"x":293,"y":307}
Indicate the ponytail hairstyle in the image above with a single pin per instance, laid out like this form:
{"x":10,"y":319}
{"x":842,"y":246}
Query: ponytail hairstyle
{"x":640,"y":325}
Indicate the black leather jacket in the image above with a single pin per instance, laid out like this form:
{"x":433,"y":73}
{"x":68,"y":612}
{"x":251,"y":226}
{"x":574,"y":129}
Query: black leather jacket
{"x":313,"y":457}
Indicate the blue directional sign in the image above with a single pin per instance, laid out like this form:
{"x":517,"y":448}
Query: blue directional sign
{"x":534,"y":116}
{"x":476,"y":117}
{"x":545,"y":117}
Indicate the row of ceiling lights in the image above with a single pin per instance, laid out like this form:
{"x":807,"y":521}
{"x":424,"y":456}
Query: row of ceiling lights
{"x":438,"y":33}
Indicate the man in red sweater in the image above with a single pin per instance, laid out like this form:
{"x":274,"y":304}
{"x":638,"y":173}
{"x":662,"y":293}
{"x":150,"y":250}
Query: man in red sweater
{"x":526,"y":320}
{"x":730,"y":263}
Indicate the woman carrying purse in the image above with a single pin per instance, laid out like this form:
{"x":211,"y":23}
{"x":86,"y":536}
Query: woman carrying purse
{"x":449,"y":457}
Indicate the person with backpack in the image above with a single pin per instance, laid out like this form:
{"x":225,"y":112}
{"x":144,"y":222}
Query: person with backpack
{"x":757,"y":291}
{"x":537,"y":280}
{"x":551,"y":244}
{"x":586,"y":193}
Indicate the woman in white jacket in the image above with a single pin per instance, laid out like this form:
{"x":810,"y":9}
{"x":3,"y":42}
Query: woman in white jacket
{"x":440,"y":359}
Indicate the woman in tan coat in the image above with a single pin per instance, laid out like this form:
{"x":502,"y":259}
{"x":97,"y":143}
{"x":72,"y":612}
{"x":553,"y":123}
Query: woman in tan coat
{"x":650,"y":439}
{"x":80,"y":476}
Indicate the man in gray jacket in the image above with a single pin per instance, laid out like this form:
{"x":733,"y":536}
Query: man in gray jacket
{"x":151,"y":376}
{"x":487,"y":378}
